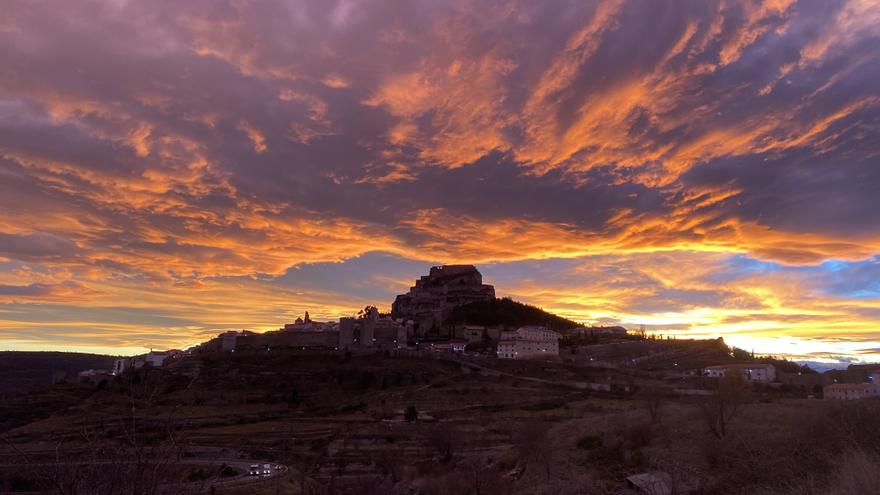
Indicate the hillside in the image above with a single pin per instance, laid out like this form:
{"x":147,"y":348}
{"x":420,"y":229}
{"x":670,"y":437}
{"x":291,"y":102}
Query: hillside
{"x":23,"y":371}
{"x":507,"y":312}
{"x":478,"y":426}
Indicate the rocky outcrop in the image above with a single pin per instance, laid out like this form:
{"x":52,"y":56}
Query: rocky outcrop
{"x":435,"y":295}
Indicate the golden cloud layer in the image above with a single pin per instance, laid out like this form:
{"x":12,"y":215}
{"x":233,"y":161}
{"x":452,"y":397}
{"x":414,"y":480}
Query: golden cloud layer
{"x":177,"y":168}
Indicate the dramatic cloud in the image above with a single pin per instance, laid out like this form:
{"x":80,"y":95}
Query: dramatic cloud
{"x":224,"y":155}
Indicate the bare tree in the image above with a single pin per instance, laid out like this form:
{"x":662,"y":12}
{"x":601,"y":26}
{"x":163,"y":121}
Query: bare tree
{"x":720,"y":409}
{"x":654,"y":400}
{"x":445,"y":438}
{"x":122,"y":453}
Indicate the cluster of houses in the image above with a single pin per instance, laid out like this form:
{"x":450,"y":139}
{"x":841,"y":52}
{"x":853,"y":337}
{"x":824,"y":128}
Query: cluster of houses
{"x":413,"y":325}
{"x":414,"y":315}
{"x":528,"y":342}
{"x":373,"y":332}
{"x":155,"y":359}
{"x":757,"y":372}
{"x":851,"y":391}
{"x":854,"y":391}
{"x":766,"y":373}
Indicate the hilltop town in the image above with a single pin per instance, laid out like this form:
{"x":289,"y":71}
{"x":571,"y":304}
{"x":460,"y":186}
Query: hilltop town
{"x":453,"y":391}
{"x":451,"y":310}
{"x":420,"y":321}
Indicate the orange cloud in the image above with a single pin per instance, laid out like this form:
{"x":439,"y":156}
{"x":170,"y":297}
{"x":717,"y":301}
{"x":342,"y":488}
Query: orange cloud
{"x":690,"y":229}
{"x":255,"y":136}
{"x":335,"y":81}
{"x":758,"y":15}
{"x":675,"y":294}
{"x":850,"y":24}
{"x":465,"y":102}
{"x":124,"y":178}
{"x":68,"y":292}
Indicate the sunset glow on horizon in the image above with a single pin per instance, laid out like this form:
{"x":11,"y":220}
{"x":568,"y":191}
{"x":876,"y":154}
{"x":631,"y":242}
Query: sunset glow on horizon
{"x":172,"y":170}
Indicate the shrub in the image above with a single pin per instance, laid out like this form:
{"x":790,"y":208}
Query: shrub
{"x":227,"y":471}
{"x":639,"y":436}
{"x":197,"y":475}
{"x":410,"y":414}
{"x":589,"y":442}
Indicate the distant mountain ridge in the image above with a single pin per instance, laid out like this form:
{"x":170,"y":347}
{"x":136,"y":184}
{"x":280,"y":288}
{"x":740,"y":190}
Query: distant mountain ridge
{"x":21,"y":371}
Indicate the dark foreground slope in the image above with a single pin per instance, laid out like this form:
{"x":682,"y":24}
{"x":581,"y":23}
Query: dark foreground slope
{"x":433,"y":425}
{"x":23,"y":371}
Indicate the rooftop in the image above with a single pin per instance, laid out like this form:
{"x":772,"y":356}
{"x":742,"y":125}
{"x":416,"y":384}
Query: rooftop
{"x":739,"y":366}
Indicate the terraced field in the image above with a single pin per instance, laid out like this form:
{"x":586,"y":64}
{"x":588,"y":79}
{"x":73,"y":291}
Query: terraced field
{"x":339,"y":424}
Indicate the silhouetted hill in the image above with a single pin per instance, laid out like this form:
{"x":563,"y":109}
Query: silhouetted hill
{"x":23,"y":371}
{"x":507,"y":312}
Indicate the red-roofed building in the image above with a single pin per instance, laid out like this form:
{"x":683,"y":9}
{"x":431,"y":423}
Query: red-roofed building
{"x":851,"y":391}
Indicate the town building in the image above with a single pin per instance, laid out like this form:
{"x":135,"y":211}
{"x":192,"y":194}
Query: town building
{"x":367,"y":326}
{"x":304,"y":333}
{"x":347,"y":327}
{"x":373,"y":331}
{"x":751,"y":372}
{"x":529,"y":343}
{"x":133,"y":362}
{"x":316,"y":337}
{"x":851,"y":391}
{"x":588,"y":331}
{"x":435,"y":295}
{"x":121,"y":365}
{"x":155,"y":359}
{"x":451,"y":346}
{"x":864,"y":368}
{"x":302,"y":324}
{"x":306,"y":324}
{"x":388,"y":334}
{"x":229,"y":340}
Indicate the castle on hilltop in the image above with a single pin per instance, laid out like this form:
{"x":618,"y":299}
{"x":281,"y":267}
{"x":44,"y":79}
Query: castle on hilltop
{"x":435,"y":295}
{"x":414,"y":325}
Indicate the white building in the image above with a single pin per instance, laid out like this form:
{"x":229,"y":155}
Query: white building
{"x":751,"y":372}
{"x":121,"y":365}
{"x":528,"y":343}
{"x":851,"y":391}
{"x":157,"y":358}
{"x":153,"y":358}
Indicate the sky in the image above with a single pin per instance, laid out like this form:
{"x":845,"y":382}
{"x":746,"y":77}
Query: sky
{"x":171,"y":170}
